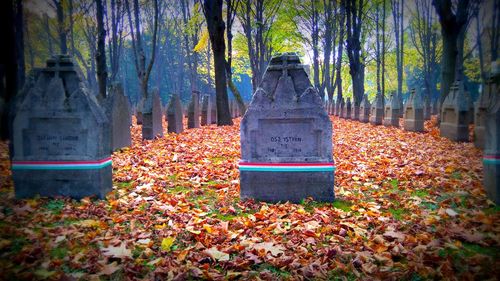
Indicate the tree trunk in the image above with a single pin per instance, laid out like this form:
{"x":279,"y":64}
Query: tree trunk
{"x":63,"y":46}
{"x":102,"y":73}
{"x":215,"y":24}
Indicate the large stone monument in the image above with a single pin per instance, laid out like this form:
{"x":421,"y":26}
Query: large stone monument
{"x":364,"y":110}
{"x":286,"y":138}
{"x":454,"y":114}
{"x":194,"y":110}
{"x":491,"y":161}
{"x":120,"y":116}
{"x":414,"y":112}
{"x":61,"y":138}
{"x":377,"y":110}
{"x":174,"y":115}
{"x":392,"y":111}
{"x":152,"y":125}
{"x":206,"y":117}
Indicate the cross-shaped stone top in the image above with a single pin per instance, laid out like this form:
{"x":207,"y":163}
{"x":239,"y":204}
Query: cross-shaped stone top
{"x":285,"y":61}
{"x":60,"y":63}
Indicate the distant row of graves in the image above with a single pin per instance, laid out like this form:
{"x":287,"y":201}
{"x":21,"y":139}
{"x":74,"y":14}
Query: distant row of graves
{"x":63,"y":136}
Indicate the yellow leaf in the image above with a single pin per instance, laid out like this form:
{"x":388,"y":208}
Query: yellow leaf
{"x":89,"y":223}
{"x":203,"y":43}
{"x":167,"y":243}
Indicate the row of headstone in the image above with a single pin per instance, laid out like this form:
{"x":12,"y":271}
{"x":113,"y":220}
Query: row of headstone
{"x":388,"y":114}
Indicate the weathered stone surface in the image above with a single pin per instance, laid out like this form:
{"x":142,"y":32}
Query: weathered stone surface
{"x":213,"y":109}
{"x":480,"y":110}
{"x":138,"y":111}
{"x":174,"y":115}
{"x":364,"y":110}
{"x":401,"y":106}
{"x":427,"y":104}
{"x":152,"y":125}
{"x":194,"y":110}
{"x":491,"y":161}
{"x":119,"y":114}
{"x":392,"y":111}
{"x":58,"y":125}
{"x":414,"y":112}
{"x":354,"y":111}
{"x":286,"y":123}
{"x":346,"y":112}
{"x":454,"y":114}
{"x":206,"y":117}
{"x":377,"y":110}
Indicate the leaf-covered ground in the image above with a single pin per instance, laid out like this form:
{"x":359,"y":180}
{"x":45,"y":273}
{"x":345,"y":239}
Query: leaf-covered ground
{"x":408,"y":206}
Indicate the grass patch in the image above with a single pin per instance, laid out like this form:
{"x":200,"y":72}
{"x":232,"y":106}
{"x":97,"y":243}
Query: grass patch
{"x":472,"y":249}
{"x":398,"y":213}
{"x":279,"y":273}
{"x":123,"y":184}
{"x":218,"y":160}
{"x":492,"y":210}
{"x":179,"y":189}
{"x":429,"y":205}
{"x":59,"y":253}
{"x":343,"y":205}
{"x":338,"y":275}
{"x":55,"y":206}
{"x":420,"y":193}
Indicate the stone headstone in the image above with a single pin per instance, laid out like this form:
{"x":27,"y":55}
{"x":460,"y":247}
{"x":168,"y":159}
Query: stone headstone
{"x":152,"y":125}
{"x":491,"y":160}
{"x":213,"y":109}
{"x":174,"y":113}
{"x":427,"y":104}
{"x":119,"y":114}
{"x":401,"y":105}
{"x":61,"y":137}
{"x":454,"y":114}
{"x":206,"y":117}
{"x":377,"y":110}
{"x":354,"y":111}
{"x":194,"y":110}
{"x":392,"y":111}
{"x":138,"y":111}
{"x":347,"y":109}
{"x":480,"y":110}
{"x":364,"y":110}
{"x":414,"y":112}
{"x":341,"y":107}
{"x":286,"y":138}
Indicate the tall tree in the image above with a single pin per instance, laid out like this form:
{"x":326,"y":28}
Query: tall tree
{"x":424,"y":37}
{"x":143,"y":71}
{"x":354,"y":13}
{"x":256,"y":18}
{"x":453,"y":21}
{"x":340,"y":48}
{"x":61,"y":29}
{"x":215,"y":24}
{"x":102,"y":73}
{"x":398,"y":17}
{"x":116,"y":40}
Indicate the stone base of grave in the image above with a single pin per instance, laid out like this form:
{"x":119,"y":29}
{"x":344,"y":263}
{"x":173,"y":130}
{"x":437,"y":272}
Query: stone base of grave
{"x":479,"y":140}
{"x":394,"y":122}
{"x":72,"y":183}
{"x":491,"y":169}
{"x":287,"y":186}
{"x":377,"y":117}
{"x":151,"y":127}
{"x":139,"y":118}
{"x":454,"y":132}
{"x":414,"y":125}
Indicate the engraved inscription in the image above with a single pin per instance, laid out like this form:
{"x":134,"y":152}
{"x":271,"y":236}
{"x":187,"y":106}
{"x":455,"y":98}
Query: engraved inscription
{"x":54,"y":137}
{"x":286,"y":138}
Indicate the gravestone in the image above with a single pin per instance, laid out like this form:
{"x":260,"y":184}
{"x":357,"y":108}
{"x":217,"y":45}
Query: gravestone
{"x":364,"y":110}
{"x":354,"y":111}
{"x":194,"y":110}
{"x":454,"y":114}
{"x":480,"y":110}
{"x":61,"y":137}
{"x":138,"y":111}
{"x":206,"y":117}
{"x":342,"y":108}
{"x":174,"y":113}
{"x":152,"y":125}
{"x":414,"y":112}
{"x":213,"y":109}
{"x":392,"y":111}
{"x":427,"y":104}
{"x":347,"y":109}
{"x":377,"y":110}
{"x":401,"y":105}
{"x":491,"y":158}
{"x":119,"y":114}
{"x":286,"y":138}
